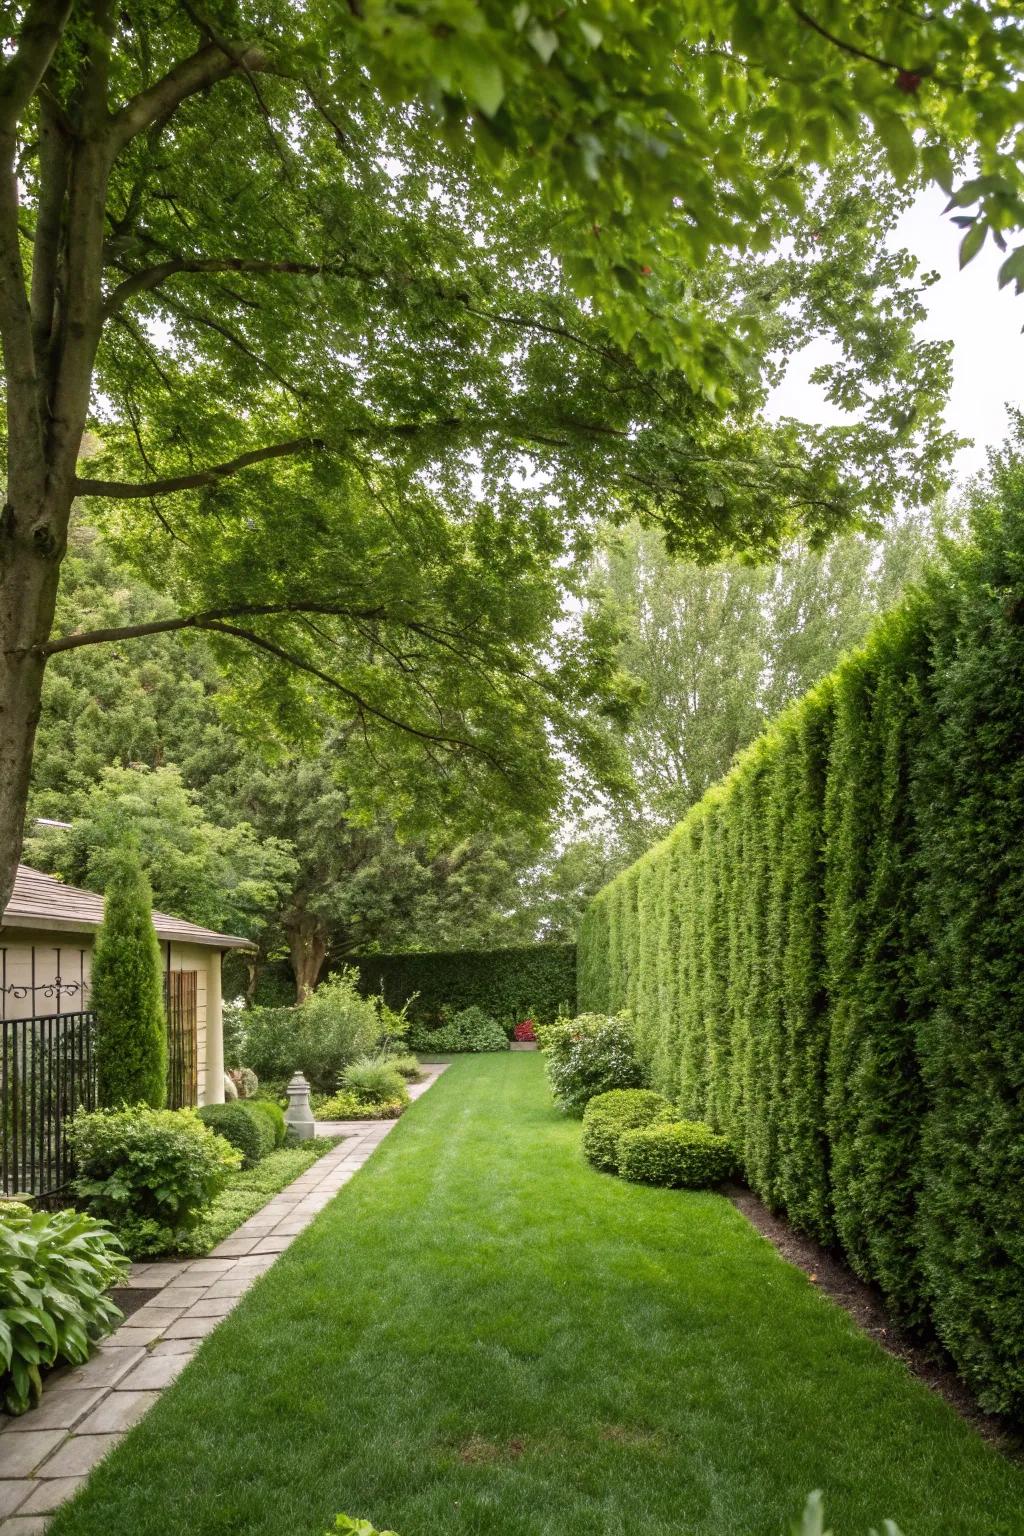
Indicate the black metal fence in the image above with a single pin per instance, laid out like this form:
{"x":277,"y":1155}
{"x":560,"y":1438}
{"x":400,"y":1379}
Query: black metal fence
{"x":47,"y":1072}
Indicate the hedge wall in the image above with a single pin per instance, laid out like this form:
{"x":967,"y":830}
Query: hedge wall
{"x":825,"y":959}
{"x":534,"y":981}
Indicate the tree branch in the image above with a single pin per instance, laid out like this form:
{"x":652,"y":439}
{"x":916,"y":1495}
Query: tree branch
{"x":211,"y":617}
{"x":203,"y":68}
{"x":153,"y":277}
{"x":20,"y":75}
{"x":120,"y":490}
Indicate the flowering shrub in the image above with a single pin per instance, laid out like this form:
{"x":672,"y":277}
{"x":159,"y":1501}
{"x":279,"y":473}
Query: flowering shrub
{"x":591,"y":1055}
{"x":525,"y":1031}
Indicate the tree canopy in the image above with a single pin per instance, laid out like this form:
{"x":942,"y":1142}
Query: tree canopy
{"x":365,"y":307}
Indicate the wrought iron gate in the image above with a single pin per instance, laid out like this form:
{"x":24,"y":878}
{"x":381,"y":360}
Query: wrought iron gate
{"x":47,"y":1072}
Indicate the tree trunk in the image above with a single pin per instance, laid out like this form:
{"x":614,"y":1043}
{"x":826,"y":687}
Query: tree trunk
{"x":307,"y":946}
{"x":29,"y":571}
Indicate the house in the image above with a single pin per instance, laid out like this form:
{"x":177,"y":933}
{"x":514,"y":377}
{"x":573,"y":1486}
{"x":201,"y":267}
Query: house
{"x":46,"y":943}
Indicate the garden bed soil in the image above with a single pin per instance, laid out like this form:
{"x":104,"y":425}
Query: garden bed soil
{"x":129,"y":1298}
{"x":826,"y":1270}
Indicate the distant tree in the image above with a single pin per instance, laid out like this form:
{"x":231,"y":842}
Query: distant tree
{"x":719,"y":650}
{"x":224,"y":877}
{"x":127,"y":992}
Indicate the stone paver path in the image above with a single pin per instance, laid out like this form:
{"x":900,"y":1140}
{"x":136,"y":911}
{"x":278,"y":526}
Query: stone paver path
{"x":46,"y":1454}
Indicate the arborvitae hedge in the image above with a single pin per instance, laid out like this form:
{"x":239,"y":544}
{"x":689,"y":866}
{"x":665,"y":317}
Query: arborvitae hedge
{"x":825,"y":959}
{"x":533,"y":981}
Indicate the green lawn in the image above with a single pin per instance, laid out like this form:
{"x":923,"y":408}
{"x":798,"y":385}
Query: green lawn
{"x":483,"y":1335}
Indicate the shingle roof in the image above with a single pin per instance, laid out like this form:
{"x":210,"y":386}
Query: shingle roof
{"x":40,"y":901}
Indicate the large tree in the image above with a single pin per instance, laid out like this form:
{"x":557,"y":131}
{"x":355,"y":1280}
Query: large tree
{"x":718,"y":651}
{"x":354,"y":394}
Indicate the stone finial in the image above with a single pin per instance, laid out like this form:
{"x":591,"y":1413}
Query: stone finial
{"x":299,"y":1116}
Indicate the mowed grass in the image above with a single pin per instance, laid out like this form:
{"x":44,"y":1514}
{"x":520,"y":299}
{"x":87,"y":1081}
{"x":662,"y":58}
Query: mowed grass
{"x":483,"y":1335}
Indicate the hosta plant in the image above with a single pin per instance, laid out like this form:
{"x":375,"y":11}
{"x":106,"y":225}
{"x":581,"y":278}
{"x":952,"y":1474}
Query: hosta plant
{"x":54,"y":1271}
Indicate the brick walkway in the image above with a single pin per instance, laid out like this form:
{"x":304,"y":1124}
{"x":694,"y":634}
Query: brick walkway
{"x":47,"y":1453}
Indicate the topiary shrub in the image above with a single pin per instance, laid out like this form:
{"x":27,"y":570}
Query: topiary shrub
{"x":592,"y":1055}
{"x":685,"y":1154}
{"x":608,"y":1115}
{"x":54,"y":1273}
{"x":274,"y":1115}
{"x":127,"y":992}
{"x":469,"y":1030}
{"x":244,"y":1125}
{"x":151,"y":1173}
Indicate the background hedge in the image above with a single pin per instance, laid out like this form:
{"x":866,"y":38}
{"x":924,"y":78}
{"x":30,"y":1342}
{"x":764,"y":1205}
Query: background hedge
{"x":825,"y":959}
{"x":533,"y":981}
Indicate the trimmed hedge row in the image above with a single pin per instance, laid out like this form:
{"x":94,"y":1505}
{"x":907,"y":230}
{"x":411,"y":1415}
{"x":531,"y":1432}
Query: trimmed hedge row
{"x":825,"y":959}
{"x":534,"y":981}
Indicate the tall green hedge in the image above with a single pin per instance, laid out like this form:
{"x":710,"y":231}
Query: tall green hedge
{"x":825,"y":959}
{"x":533,"y":981}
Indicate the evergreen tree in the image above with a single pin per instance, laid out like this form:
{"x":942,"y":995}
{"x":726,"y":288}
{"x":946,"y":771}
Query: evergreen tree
{"x":127,"y":995}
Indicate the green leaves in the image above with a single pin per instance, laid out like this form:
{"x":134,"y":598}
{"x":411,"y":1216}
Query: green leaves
{"x":356,"y":1527}
{"x":54,"y":1271}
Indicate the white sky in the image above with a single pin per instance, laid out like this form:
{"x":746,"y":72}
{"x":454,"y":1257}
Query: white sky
{"x":966,"y":307}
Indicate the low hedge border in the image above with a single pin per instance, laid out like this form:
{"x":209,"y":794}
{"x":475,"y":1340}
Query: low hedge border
{"x":684,"y":1154}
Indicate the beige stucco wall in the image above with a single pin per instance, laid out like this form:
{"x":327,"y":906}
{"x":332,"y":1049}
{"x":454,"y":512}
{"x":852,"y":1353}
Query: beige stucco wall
{"x":69,"y":956}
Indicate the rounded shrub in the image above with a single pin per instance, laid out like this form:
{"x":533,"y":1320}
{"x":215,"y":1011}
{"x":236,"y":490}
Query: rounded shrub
{"x":336,"y":1026}
{"x":274,"y":1115}
{"x":151,"y":1173}
{"x":243,"y":1125}
{"x":609,"y":1115}
{"x":683,"y":1154}
{"x":592,"y":1055}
